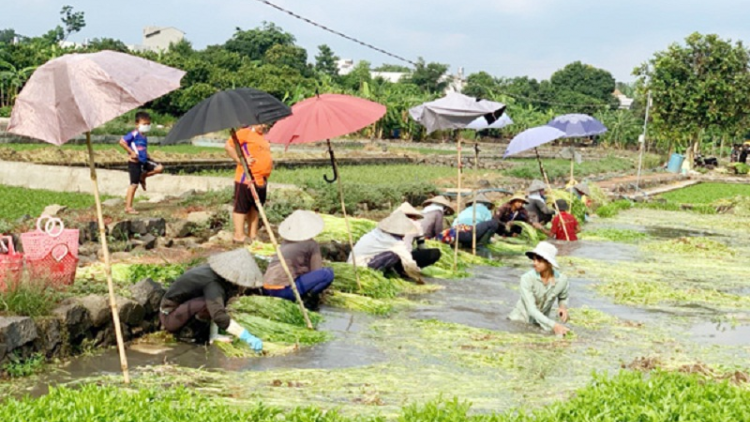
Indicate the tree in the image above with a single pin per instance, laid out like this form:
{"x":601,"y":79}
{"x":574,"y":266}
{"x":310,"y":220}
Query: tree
{"x":480,"y":85}
{"x":73,"y":21}
{"x":385,"y":67}
{"x":429,"y":76}
{"x":287,"y":55}
{"x":577,"y":81}
{"x":7,"y":35}
{"x":359,"y":76}
{"x":325,"y":61}
{"x":701,"y":85}
{"x":99,"y":44}
{"x":254,"y":43}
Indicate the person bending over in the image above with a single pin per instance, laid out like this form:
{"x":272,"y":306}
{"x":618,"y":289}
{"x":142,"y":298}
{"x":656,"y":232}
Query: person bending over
{"x":434,"y":211}
{"x":423,"y":256}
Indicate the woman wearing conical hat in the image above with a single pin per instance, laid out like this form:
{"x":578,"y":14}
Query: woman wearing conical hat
{"x":384,"y":249}
{"x":199,"y":296}
{"x":423,"y":256}
{"x":302,"y":255}
{"x":433,"y":213}
{"x":537,"y":203}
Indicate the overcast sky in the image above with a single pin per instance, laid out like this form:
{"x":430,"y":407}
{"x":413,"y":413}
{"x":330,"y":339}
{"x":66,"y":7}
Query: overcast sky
{"x":502,"y":37}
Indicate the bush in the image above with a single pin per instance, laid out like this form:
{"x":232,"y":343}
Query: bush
{"x":378,"y":197}
{"x":5,"y":111}
{"x":29,"y":298}
{"x":614,"y":208}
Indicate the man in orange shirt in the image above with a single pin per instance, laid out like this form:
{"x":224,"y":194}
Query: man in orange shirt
{"x":257,"y":151}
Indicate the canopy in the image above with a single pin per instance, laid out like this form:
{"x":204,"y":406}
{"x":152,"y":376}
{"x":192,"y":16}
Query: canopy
{"x":455,"y":111}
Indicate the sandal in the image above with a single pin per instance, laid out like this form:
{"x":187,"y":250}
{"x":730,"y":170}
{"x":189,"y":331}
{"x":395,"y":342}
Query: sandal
{"x":131,"y":211}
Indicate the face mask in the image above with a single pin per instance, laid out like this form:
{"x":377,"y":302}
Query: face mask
{"x":144,"y":128}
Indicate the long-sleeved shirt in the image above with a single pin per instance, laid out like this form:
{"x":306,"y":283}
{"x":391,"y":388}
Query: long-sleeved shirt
{"x":203,"y":282}
{"x":300,"y":257}
{"x":505,"y":214}
{"x":377,"y":242}
{"x":538,"y":210}
{"x":466,"y":217}
{"x":537,"y":299}
{"x":432,"y":223}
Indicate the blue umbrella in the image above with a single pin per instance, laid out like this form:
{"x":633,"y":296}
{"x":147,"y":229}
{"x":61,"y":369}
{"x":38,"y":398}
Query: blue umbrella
{"x":577,"y":125}
{"x":532,"y":138}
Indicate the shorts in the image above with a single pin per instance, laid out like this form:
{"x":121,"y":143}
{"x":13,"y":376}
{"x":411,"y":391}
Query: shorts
{"x":137,"y":169}
{"x":243,"y":197}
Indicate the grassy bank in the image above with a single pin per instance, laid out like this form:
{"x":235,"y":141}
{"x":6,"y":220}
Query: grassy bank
{"x":706,"y":193}
{"x":17,"y":202}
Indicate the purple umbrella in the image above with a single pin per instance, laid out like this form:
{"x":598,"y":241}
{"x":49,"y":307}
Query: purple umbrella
{"x":532,"y":138}
{"x":577,"y":125}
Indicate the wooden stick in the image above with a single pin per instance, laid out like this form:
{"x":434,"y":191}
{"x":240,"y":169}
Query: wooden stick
{"x":107,"y":264}
{"x":554,"y":203}
{"x":262,"y":213}
{"x":343,"y":210}
{"x":474,"y":225}
{"x":458,"y":204}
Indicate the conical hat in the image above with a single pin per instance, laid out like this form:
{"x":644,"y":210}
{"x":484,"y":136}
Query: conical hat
{"x":237,"y":267}
{"x":398,"y":223}
{"x":440,"y":200}
{"x":300,"y":226}
{"x":482,"y":199}
{"x":583,"y":188}
{"x":519,"y":197}
{"x":409,"y":210}
{"x":536,"y":186}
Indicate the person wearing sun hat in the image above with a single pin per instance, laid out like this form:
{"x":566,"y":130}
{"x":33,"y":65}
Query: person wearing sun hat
{"x":383,"y":248}
{"x":536,"y":205}
{"x":424,"y":257}
{"x":434,"y":211}
{"x":540,"y":289}
{"x":199,"y":297}
{"x":512,"y":211}
{"x":302,"y":255}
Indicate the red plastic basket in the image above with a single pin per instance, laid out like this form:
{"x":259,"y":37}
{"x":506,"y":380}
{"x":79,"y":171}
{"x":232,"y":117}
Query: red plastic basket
{"x":38,"y":244}
{"x":56,"y":269}
{"x":11,"y":264}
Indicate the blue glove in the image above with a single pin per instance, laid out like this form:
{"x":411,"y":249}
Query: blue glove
{"x":254,"y":342}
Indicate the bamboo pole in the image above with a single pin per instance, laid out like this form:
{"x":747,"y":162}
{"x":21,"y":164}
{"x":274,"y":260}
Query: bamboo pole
{"x":343,"y":210}
{"x":458,"y":203}
{"x":107,"y":264}
{"x":549,"y":187}
{"x":474,"y":224}
{"x":263,"y":216}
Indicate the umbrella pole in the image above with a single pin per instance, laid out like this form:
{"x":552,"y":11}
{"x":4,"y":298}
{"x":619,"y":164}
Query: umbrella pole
{"x":474,"y":224}
{"x":549,"y":187}
{"x":263,"y":216}
{"x":458,"y":203}
{"x":107,"y":265}
{"x":343,"y":210}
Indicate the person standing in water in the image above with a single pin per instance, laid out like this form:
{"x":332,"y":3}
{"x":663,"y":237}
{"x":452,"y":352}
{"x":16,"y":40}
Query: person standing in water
{"x":540,"y":289}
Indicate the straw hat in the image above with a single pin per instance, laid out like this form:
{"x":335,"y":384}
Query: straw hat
{"x":410,"y":211}
{"x":300,"y":226}
{"x":583,"y":188}
{"x":546,"y":251}
{"x":398,"y":224}
{"x":441,"y":200}
{"x":519,"y":197}
{"x":237,"y":267}
{"x":536,"y":185}
{"x":482,"y":199}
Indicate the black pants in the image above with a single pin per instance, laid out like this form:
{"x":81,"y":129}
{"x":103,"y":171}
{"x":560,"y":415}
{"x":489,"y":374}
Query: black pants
{"x":484,"y":230}
{"x":425,"y":257}
{"x":502,"y":230}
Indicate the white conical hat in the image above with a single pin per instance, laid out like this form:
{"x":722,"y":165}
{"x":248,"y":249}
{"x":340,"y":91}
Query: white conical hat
{"x":301,"y":225}
{"x":237,"y":267}
{"x":409,"y":210}
{"x":536,"y":185}
{"x":440,"y":200}
{"x":482,"y":199}
{"x":398,"y":223}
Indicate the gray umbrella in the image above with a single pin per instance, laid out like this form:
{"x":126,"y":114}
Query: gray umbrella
{"x":455,"y":111}
{"x":228,"y":109}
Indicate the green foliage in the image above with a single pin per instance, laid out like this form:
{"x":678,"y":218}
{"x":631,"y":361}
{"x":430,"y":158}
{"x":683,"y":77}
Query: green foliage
{"x":429,"y":76}
{"x":588,"y":84}
{"x":559,"y":168}
{"x":100,"y":44}
{"x":325,"y":61}
{"x":254,"y":43}
{"x":358,"y":303}
{"x":374,"y":284}
{"x":740,"y":168}
{"x":73,"y":21}
{"x":274,"y":309}
{"x":335,"y":229}
{"x":279,"y":332}
{"x":28,"y":298}
{"x":18,"y":367}
{"x":615,"y":235}
{"x":386,"y":67}
{"x":702,"y":247}
{"x":706,"y":193}
{"x":161,"y":273}
{"x":17,"y":202}
{"x":612,"y":209}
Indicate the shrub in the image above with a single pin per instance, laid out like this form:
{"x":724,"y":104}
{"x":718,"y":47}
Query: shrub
{"x":29,"y":298}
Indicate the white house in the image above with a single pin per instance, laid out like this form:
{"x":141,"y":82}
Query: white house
{"x":158,"y":38}
{"x":625,"y":102}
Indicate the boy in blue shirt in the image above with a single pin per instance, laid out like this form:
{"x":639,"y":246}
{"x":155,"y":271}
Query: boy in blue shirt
{"x":140,"y":165}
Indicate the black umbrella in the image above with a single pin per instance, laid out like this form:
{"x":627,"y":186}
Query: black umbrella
{"x":228,"y":110}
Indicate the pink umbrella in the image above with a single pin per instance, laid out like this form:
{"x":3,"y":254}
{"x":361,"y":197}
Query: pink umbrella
{"x":323,"y":117}
{"x":74,"y":94}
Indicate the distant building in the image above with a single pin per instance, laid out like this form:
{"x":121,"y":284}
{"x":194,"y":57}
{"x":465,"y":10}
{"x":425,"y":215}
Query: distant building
{"x":158,"y":38}
{"x":345,"y":66}
{"x":625,"y":102}
{"x":456,"y":82}
{"x":388,"y":76}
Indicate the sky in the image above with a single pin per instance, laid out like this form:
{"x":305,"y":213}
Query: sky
{"x":505,"y":38}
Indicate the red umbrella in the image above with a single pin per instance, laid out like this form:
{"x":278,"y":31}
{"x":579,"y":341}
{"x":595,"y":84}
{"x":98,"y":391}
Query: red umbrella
{"x":323,"y":117}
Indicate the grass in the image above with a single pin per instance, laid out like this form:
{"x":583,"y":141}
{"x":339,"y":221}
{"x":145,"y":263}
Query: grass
{"x":706,"y":193}
{"x":32,"y":299}
{"x":17,"y":202}
{"x":559,"y":168}
{"x":17,"y":367}
{"x":614,"y":235}
{"x":174,"y":149}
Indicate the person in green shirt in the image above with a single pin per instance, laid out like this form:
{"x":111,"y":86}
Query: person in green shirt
{"x":540,"y":289}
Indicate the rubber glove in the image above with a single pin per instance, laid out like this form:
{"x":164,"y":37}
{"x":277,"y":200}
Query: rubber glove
{"x":254,"y":342}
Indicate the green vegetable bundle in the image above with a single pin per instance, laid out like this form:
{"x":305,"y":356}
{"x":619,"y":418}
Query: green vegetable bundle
{"x":613,"y":208}
{"x":697,"y":246}
{"x":239,"y":349}
{"x":279,"y":332}
{"x":359,"y":303}
{"x":374,"y":283}
{"x":615,"y":235}
{"x":335,"y":228}
{"x":274,"y":309}
{"x":529,"y":234}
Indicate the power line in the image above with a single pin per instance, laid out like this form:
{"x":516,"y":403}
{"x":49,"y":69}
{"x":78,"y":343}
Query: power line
{"x":325,"y":28}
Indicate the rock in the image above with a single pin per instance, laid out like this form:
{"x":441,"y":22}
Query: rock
{"x":89,"y":248}
{"x":335,"y":251}
{"x":54,"y":209}
{"x":120,"y":230}
{"x":114,"y":202}
{"x":181,"y":228}
{"x":155,"y":226}
{"x":89,"y":232}
{"x":74,"y":318}
{"x":188,"y":194}
{"x":50,"y":336}
{"x":146,"y":242}
{"x":148,"y":294}
{"x":22,"y":219}
{"x":15,"y":332}
{"x":164,"y":242}
{"x":222,"y":237}
{"x":131,"y":313}
{"x":98,"y":309}
{"x":156,"y":198}
{"x":187,"y":243}
{"x":87,"y":259}
{"x":201,"y":218}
